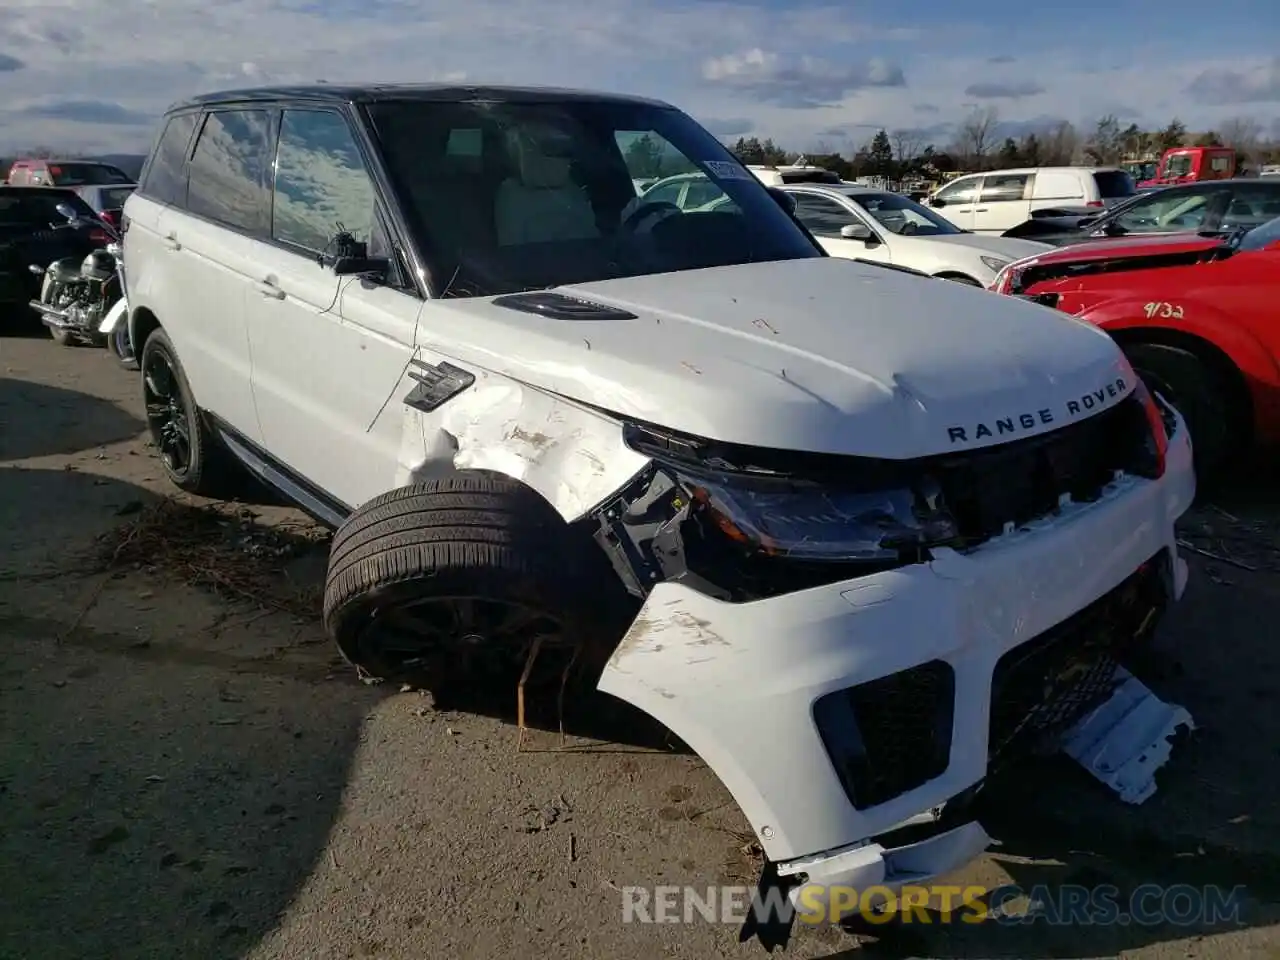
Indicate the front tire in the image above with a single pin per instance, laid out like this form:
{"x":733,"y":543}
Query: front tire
{"x":461,"y":574}
{"x":1199,"y":392}
{"x":121,"y":348}
{"x":190,"y":454}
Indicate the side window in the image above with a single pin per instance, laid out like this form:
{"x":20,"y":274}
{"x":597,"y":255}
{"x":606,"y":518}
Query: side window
{"x":165,"y":179}
{"x":1163,"y":212}
{"x":1219,"y":164}
{"x":1004,"y":186}
{"x":1252,"y":206}
{"x":321,"y":184}
{"x":824,"y":217}
{"x":964,"y":190}
{"x":229,"y":169}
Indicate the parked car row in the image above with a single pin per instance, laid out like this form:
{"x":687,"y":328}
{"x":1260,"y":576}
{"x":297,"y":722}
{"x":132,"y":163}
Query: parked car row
{"x":561,"y":418}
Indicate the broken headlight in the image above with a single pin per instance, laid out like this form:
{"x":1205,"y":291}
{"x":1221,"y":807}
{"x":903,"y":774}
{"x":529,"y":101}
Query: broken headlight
{"x":783,"y":519}
{"x":742,"y":523}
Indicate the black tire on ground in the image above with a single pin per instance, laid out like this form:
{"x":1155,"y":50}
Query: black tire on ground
{"x":461,"y":548}
{"x":209,"y":466}
{"x":1200,"y":393}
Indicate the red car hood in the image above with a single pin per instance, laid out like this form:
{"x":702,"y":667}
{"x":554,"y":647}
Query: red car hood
{"x":1122,"y":247}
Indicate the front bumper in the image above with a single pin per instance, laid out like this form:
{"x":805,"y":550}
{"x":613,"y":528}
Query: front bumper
{"x":741,"y":683}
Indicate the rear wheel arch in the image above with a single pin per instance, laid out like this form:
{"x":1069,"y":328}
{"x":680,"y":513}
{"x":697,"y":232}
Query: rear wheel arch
{"x":142,"y":322}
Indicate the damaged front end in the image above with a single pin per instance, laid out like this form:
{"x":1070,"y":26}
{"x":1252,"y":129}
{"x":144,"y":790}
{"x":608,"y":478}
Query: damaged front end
{"x":853,"y":644}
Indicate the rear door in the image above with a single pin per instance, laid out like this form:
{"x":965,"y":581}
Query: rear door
{"x":1113,"y":186}
{"x":1004,"y":201}
{"x":216,"y":244}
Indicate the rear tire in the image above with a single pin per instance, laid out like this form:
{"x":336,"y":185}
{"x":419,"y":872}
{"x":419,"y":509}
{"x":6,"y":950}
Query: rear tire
{"x":459,"y":575}
{"x":189,"y":452}
{"x":1199,"y":392}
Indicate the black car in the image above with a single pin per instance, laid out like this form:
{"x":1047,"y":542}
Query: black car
{"x":32,"y":231}
{"x":1216,"y":206}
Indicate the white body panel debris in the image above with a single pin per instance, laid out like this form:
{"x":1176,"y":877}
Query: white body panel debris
{"x":1126,"y":740}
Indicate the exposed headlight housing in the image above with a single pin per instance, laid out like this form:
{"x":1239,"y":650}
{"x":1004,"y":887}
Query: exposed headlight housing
{"x":995,"y":264}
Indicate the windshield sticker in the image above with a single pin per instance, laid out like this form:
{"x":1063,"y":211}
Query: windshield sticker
{"x":725,"y":170}
{"x":1165,"y":311}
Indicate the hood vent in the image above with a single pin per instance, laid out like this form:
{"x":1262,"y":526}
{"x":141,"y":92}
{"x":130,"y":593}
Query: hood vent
{"x":560,"y":307}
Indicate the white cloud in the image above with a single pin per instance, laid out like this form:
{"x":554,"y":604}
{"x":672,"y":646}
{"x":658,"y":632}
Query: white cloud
{"x":84,"y":74}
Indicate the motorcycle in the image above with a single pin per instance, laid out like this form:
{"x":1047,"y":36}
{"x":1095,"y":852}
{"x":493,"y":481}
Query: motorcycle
{"x":83,"y":300}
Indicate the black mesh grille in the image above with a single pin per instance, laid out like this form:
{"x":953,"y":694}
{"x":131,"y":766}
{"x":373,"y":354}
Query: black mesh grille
{"x":1015,"y":483}
{"x":1043,"y":686}
{"x":890,"y":735}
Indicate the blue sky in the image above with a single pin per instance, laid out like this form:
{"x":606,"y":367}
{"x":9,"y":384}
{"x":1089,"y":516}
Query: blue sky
{"x":93,"y":74}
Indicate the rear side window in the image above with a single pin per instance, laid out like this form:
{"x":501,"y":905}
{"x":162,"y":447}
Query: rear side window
{"x":1114,"y":184}
{"x":229,"y":169}
{"x":321,"y":185}
{"x":114,"y":197}
{"x":823,"y":216}
{"x":165,"y":179}
{"x":810,"y":176}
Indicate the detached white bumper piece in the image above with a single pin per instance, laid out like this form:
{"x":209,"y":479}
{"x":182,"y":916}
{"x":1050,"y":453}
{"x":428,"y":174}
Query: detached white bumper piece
{"x":1124,"y":741}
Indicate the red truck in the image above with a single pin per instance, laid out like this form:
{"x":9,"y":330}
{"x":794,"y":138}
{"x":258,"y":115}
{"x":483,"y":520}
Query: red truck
{"x":1189,"y":164}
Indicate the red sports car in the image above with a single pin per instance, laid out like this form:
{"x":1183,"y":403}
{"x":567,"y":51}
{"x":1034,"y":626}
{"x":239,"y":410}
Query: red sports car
{"x":1198,"y":317}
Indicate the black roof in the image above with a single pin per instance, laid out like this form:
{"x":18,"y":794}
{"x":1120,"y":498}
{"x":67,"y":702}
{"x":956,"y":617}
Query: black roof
{"x":434,"y":92}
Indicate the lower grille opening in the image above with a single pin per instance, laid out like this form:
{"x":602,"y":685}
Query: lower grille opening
{"x":1042,"y":687}
{"x":890,"y":735}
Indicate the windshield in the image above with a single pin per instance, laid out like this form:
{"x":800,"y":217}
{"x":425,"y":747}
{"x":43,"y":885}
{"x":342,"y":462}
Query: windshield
{"x":903,"y":215}
{"x":512,"y":196}
{"x":1178,"y":165}
{"x":1260,"y":237}
{"x":86,"y":174}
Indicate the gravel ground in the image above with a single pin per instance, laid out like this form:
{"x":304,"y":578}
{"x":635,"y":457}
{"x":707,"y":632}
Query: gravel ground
{"x":195,"y":776}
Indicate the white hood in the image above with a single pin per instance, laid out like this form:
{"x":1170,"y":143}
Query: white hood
{"x":822,"y":354}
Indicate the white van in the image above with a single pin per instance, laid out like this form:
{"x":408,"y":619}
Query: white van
{"x":996,"y":201}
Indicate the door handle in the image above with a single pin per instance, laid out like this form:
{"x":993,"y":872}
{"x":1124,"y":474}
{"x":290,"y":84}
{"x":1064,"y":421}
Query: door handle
{"x":171,"y":242}
{"x":268,"y":288}
{"x":980,"y":210}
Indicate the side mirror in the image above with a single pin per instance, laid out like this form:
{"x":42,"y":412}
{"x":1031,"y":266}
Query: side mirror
{"x":857,"y":231}
{"x":785,"y":200}
{"x":937,"y":202}
{"x":67,"y":211}
{"x":362,"y":266}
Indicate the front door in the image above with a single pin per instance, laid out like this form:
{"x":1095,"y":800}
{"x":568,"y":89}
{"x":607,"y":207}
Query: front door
{"x":958,"y":199}
{"x":328,"y":351}
{"x":825,"y":216}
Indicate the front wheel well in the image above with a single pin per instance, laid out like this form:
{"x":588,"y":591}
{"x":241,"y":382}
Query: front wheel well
{"x":959,"y":277}
{"x":1240,"y":401}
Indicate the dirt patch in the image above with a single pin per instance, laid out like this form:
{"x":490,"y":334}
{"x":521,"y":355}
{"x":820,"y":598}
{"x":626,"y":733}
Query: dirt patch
{"x":220,"y":548}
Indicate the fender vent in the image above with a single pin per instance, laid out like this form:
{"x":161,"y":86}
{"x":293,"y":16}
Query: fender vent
{"x":560,"y":307}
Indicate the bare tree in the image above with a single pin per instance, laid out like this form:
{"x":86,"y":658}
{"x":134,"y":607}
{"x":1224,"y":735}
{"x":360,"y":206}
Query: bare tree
{"x":907,"y":145}
{"x":977,"y":133}
{"x":1059,"y":145}
{"x":1107,"y":142}
{"x":1243,"y":133}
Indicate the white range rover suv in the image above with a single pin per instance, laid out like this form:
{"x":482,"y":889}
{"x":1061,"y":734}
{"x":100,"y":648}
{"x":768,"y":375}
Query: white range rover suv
{"x":872,"y":533}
